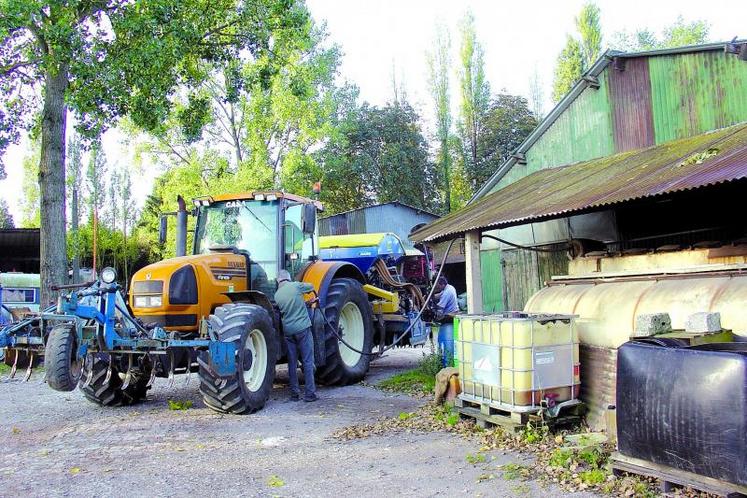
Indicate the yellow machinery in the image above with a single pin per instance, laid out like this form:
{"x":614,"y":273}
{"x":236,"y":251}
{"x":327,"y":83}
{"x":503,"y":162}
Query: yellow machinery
{"x":240,"y":243}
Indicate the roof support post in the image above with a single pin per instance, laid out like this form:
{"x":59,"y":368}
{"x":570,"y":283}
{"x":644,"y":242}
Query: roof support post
{"x":473,"y":276}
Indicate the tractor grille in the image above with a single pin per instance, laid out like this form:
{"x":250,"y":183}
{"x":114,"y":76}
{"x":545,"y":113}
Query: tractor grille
{"x":148,"y":287}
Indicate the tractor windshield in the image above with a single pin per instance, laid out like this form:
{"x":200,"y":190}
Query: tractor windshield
{"x":247,"y":225}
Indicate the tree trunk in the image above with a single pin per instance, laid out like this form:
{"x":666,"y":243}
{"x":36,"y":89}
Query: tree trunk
{"x":53,"y":253}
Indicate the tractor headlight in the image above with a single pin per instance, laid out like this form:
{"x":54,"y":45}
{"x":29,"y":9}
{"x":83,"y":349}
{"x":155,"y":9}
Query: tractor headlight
{"x":108,"y":275}
{"x":148,"y":301}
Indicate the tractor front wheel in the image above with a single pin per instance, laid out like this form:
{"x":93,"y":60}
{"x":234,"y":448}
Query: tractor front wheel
{"x":61,"y":358}
{"x":250,"y":327}
{"x":349,"y":313}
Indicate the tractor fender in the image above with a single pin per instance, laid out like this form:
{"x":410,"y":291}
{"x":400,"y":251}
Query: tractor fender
{"x":321,"y":273}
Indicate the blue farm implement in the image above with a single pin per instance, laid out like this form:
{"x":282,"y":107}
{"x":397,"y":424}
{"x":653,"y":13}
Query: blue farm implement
{"x":91,"y":341}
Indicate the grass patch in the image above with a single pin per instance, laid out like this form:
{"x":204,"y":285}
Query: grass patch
{"x":475,"y":459}
{"x":4,"y":369}
{"x":420,"y":380}
{"x":180,"y":405}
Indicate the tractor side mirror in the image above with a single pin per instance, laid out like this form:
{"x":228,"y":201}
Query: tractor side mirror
{"x":309,"y":219}
{"x":162,"y":229}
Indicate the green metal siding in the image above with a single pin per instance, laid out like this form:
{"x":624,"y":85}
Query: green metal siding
{"x":582,"y":132}
{"x":492,"y":280}
{"x":695,"y":93}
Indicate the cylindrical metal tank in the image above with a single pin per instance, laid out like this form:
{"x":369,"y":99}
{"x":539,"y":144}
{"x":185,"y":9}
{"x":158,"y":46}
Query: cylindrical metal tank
{"x":607,"y":309}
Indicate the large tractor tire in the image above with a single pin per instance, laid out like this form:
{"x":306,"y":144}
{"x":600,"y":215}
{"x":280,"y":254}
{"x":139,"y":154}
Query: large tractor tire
{"x":61,"y":358}
{"x":250,"y":327}
{"x":109,"y":392}
{"x":349,"y":313}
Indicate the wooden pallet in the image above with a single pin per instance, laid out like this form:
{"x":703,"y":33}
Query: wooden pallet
{"x":486,"y":415}
{"x":670,"y":477}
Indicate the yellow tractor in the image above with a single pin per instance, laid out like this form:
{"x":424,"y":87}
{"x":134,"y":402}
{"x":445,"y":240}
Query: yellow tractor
{"x":226,"y":288}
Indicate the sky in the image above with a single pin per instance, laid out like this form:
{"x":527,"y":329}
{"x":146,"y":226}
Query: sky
{"x":380,"y":38}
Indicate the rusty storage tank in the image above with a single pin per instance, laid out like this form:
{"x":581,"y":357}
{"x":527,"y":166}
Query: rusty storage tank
{"x":515,"y":361}
{"x":607,"y":308}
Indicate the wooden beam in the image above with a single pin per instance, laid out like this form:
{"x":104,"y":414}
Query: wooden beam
{"x":473,"y":275}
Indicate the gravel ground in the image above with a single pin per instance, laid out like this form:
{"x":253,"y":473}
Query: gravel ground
{"x":59,"y":444}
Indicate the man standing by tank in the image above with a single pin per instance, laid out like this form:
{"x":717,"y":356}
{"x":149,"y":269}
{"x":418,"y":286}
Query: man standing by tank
{"x":297,"y":332}
{"x":447,"y":307}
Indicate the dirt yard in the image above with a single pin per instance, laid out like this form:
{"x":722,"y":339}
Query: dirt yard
{"x":59,"y":444}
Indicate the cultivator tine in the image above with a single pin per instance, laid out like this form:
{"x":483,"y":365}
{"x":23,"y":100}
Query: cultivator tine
{"x":109,"y":371}
{"x":189,"y":373}
{"x":14,"y":367}
{"x":88,"y":366}
{"x":152,"y":374}
{"x":172,"y":380}
{"x":128,"y":375}
{"x":30,"y":368}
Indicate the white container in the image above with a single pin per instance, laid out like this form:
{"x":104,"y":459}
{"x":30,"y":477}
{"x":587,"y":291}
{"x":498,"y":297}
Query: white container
{"x":515,"y":361}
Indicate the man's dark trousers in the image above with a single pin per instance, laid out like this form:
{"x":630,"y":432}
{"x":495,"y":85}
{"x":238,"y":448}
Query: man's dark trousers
{"x":301,"y":344}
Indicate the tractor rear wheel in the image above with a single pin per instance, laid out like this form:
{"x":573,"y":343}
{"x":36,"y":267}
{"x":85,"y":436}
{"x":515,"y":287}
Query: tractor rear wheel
{"x":348,"y":311}
{"x":61,"y":358}
{"x":109,"y":392}
{"x":250,"y":327}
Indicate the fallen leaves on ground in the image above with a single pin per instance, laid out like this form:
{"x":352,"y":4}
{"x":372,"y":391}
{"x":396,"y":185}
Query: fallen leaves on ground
{"x":570,"y":468}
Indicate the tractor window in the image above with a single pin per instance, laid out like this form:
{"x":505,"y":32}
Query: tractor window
{"x":298,"y":247}
{"x":249,"y":226}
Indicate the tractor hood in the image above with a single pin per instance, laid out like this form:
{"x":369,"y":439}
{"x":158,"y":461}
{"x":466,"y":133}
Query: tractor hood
{"x":177,"y":292}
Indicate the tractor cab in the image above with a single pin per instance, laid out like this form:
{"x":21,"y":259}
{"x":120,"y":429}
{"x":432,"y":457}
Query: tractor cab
{"x":273,"y":230}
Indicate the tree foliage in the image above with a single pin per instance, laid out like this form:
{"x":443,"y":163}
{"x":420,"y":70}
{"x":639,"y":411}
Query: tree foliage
{"x":579,"y":52}
{"x":379,"y":155}
{"x":112,"y":58}
{"x":679,"y":33}
{"x":6,"y":219}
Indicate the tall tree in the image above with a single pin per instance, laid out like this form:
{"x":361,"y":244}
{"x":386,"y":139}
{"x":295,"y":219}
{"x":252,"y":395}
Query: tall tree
{"x":439,"y":64}
{"x":30,"y":185}
{"x":590,"y":30}
{"x":96,"y":188}
{"x":74,"y":174}
{"x":568,"y":69}
{"x":536,"y":95}
{"x":6,"y":219}
{"x":507,"y":123}
{"x":578,"y":55}
{"x":475,"y":95}
{"x":112,"y":58}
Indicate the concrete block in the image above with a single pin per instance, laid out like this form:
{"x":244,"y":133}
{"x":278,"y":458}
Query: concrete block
{"x":649,"y":324}
{"x":703,"y":322}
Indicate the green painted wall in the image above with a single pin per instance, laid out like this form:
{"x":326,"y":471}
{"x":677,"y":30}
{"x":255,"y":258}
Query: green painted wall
{"x":583,"y":131}
{"x":695,"y":93}
{"x":492,"y":280}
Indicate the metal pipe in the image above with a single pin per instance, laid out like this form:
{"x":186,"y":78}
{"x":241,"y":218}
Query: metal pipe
{"x":181,"y":227}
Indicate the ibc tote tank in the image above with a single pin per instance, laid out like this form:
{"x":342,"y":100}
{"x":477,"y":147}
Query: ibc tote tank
{"x":514,"y":361}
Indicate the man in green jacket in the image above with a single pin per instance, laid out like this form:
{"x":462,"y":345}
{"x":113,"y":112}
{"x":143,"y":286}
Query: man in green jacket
{"x":297,"y":331}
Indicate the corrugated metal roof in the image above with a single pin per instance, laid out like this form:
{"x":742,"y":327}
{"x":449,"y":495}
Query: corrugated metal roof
{"x":589,"y":78}
{"x":684,"y":164}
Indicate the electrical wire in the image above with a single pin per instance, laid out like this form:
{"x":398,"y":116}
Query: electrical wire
{"x":335,"y":330}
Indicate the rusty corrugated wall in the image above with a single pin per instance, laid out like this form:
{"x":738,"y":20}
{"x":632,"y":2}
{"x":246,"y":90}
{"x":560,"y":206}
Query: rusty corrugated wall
{"x":598,"y":376}
{"x":630,"y":100}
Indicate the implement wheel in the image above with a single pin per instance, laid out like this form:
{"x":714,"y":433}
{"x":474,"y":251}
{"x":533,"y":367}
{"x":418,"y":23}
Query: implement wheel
{"x":61,"y":358}
{"x":109,"y":392}
{"x":348,"y":311}
{"x":250,"y":327}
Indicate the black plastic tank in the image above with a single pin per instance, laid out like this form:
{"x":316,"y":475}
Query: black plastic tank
{"x":685,"y":407}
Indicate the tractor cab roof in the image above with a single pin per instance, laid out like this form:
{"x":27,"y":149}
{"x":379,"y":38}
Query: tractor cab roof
{"x":261,"y":195}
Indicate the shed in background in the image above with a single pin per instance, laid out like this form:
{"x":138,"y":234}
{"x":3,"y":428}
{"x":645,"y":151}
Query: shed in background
{"x":394,"y":217}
